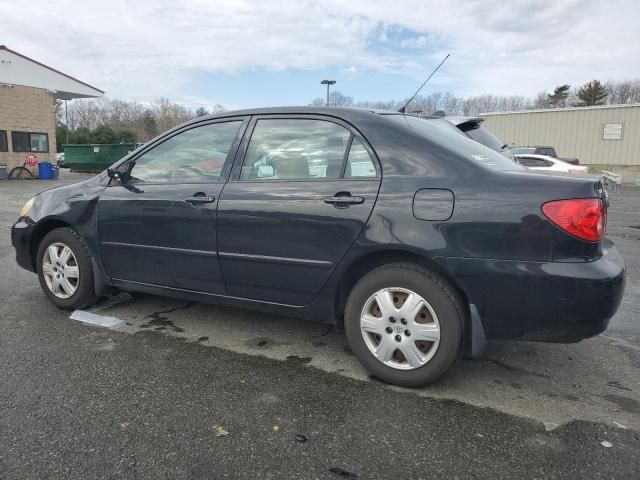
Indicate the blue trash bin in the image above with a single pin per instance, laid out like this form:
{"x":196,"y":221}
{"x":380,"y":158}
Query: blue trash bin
{"x":45,"y":172}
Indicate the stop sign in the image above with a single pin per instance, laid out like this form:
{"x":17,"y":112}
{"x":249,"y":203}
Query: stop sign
{"x":31,"y":160}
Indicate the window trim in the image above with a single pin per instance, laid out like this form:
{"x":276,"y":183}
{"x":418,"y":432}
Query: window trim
{"x":242,"y":151}
{"x":6,"y":141}
{"x":13,"y":145}
{"x":228,"y":162}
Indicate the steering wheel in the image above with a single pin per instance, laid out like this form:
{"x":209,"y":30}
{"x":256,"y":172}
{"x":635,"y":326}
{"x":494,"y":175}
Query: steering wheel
{"x":186,"y":172}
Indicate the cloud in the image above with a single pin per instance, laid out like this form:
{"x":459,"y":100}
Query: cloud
{"x":145,"y":49}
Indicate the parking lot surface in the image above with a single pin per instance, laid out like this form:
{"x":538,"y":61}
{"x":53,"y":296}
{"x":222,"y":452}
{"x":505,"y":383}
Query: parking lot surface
{"x":189,"y":390}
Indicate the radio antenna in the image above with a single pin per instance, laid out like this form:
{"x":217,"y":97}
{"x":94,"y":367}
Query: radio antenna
{"x":402,"y":110}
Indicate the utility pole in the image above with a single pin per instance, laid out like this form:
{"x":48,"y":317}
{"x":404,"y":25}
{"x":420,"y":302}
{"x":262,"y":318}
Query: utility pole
{"x":327,"y":83}
{"x":66,"y":119}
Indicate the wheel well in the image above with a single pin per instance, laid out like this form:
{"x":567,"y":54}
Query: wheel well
{"x":374,"y":260}
{"x":42,"y":229}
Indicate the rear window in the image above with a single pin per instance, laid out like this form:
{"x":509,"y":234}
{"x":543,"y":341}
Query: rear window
{"x":485,"y":137}
{"x":522,"y":150}
{"x":441,"y":131}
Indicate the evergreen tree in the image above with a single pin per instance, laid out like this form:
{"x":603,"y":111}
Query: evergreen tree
{"x":592,"y":93}
{"x":559,"y":96}
{"x":201,"y":112}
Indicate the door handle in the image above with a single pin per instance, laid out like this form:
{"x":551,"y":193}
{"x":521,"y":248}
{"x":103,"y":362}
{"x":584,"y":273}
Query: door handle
{"x":200,"y":199}
{"x":343,"y":201}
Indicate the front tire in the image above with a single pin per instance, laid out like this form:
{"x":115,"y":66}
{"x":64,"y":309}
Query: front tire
{"x":405,"y":324}
{"x":64,"y":269}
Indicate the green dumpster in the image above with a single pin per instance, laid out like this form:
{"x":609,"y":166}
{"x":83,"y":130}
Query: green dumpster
{"x":94,"y":158}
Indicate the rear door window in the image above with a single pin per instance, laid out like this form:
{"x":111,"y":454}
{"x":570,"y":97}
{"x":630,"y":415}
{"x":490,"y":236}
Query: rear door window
{"x":359,"y":162}
{"x":295,"y":149}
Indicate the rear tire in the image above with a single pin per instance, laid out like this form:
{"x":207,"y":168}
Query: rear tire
{"x":405,"y":324}
{"x":20,"y":172}
{"x":65,"y":270}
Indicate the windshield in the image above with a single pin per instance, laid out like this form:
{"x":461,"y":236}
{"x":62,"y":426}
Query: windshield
{"x":444,"y":132}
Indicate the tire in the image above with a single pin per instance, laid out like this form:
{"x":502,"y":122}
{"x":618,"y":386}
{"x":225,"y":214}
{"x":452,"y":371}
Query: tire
{"x":68,"y":298}
{"x":20,"y":172}
{"x":431,"y":335}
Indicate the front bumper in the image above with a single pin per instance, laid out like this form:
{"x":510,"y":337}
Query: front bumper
{"x":21,"y":235}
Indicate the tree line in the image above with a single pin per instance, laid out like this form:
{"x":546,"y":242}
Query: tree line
{"x":591,"y":93}
{"x":105,"y":120}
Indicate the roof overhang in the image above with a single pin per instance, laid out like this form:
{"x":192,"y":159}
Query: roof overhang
{"x":18,"y":69}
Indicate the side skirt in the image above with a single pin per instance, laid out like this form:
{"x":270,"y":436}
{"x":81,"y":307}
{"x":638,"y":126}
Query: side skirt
{"x":306,"y":313}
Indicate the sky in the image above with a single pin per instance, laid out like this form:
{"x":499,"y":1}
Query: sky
{"x":268,"y":53}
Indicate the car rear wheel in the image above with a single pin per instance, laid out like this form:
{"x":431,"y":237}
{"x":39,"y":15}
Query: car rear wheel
{"x":405,"y":324}
{"x":64,"y":269}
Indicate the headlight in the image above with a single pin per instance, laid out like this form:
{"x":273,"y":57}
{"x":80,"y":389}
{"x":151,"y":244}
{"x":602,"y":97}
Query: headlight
{"x":27,"y":207}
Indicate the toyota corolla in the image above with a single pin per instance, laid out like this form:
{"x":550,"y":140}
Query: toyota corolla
{"x":420,"y":242}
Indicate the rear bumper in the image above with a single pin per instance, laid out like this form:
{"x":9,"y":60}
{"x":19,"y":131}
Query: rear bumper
{"x":568,"y":302}
{"x":542,"y":301}
{"x":21,"y":234}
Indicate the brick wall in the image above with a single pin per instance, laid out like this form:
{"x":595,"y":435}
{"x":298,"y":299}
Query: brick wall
{"x":26,"y":109}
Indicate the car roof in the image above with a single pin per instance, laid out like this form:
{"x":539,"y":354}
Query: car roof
{"x":346,"y":113}
{"x":305,"y":110}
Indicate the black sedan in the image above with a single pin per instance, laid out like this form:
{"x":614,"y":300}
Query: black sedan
{"x":421,"y":242}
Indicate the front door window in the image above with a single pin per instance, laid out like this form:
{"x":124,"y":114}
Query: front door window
{"x":194,"y":156}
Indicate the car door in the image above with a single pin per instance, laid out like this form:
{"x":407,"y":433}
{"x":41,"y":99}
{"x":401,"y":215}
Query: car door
{"x":301,"y":192}
{"x":158,"y":226}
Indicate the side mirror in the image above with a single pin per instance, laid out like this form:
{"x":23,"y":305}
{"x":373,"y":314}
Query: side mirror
{"x":265,"y":171}
{"x":114,"y":175}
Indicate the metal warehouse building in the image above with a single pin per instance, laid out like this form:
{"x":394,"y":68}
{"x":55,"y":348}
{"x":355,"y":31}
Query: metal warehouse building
{"x":604,"y":137}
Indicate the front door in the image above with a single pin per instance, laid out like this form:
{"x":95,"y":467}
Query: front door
{"x":159,"y":226}
{"x":295,"y":205}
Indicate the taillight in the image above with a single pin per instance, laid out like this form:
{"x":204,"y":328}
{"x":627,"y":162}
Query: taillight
{"x":584,"y":218}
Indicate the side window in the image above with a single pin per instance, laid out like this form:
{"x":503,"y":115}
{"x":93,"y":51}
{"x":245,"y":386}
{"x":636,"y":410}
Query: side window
{"x":359,"y":163}
{"x":534,"y":162}
{"x":196,"y":155}
{"x":548,"y":152}
{"x":39,"y":142}
{"x":3,"y":141}
{"x":30,"y":142}
{"x":295,"y":149}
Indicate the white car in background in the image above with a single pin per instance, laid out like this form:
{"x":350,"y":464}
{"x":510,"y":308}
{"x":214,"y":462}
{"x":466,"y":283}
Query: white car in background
{"x":546,"y":163}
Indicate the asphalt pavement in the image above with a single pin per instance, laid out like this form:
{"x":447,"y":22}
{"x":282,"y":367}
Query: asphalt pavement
{"x":189,"y":390}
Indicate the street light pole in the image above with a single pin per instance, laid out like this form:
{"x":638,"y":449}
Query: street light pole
{"x":327,"y":83}
{"x":66,"y":119}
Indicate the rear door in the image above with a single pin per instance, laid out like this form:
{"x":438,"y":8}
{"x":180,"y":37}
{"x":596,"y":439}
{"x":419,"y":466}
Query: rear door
{"x":302,"y":190}
{"x":159,"y":226}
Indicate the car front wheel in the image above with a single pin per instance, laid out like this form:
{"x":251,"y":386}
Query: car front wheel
{"x":64,"y":269}
{"x":405,"y":323}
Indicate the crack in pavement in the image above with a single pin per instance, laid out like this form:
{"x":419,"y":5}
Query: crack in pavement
{"x":162,"y":323}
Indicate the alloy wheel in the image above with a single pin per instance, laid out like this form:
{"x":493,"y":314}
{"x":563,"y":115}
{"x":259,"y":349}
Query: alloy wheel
{"x":60,"y":270}
{"x":400,"y":328}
